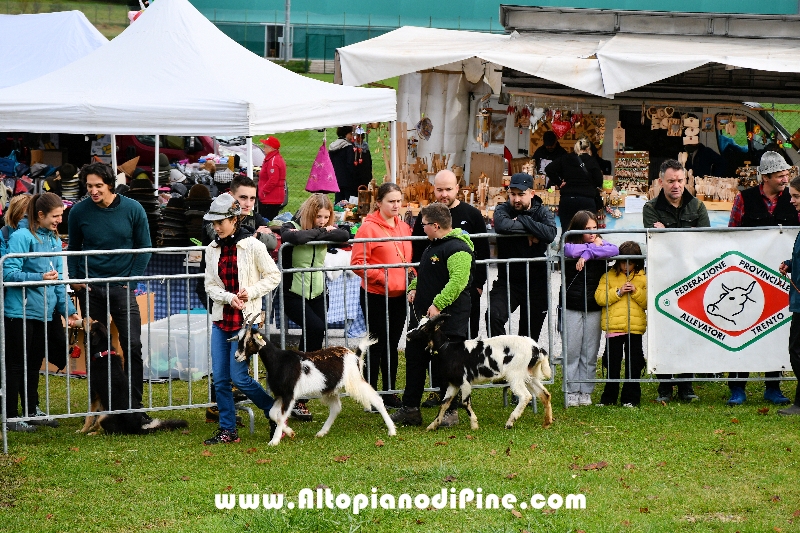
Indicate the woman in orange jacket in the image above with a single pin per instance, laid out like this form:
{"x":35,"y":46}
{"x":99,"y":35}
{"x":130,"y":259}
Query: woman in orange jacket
{"x":384,"y":289}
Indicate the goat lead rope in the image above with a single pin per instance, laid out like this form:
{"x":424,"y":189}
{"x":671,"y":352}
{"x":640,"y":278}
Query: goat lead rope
{"x":790,"y":281}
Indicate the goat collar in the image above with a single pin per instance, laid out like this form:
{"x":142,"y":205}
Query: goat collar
{"x":100,"y":355}
{"x":435,"y":351}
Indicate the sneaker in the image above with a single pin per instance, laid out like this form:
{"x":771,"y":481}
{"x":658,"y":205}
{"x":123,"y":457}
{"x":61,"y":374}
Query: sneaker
{"x":585,"y":399}
{"x":301,"y":412}
{"x":573,"y":399}
{"x":433,"y":400}
{"x":42,"y":420}
{"x":628,"y":405}
{"x":22,"y":427}
{"x":738,"y":396}
{"x":776,"y":396}
{"x":449,"y":419}
{"x":212,"y":416}
{"x":407,"y":416}
{"x":392,"y":401}
{"x":663,"y":398}
{"x":791,"y":410}
{"x":223,"y":436}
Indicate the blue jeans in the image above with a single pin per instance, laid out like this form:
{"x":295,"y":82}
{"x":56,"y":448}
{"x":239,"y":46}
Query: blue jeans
{"x":226,"y":371}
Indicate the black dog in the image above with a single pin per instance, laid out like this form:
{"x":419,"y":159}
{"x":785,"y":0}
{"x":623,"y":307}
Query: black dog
{"x":116,"y":397}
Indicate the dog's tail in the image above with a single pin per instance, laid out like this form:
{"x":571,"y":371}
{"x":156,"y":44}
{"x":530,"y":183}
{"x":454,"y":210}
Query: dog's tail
{"x":168,"y":424}
{"x":361,"y":350}
{"x":354,"y":382}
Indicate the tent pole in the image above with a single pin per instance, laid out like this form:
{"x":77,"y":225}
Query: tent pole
{"x":114,"y":153}
{"x":250,"y":157}
{"x":155,"y":164}
{"x":393,"y":150}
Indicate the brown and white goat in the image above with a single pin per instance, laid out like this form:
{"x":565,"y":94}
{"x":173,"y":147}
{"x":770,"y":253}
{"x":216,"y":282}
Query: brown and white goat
{"x":293,"y":374}
{"x":518,"y":360}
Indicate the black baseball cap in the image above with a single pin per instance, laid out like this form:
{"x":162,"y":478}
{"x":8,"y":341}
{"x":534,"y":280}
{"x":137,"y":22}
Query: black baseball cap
{"x":521,"y":181}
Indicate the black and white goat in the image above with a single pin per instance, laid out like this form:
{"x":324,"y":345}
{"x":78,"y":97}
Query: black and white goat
{"x":518,"y":360}
{"x":292,"y":374}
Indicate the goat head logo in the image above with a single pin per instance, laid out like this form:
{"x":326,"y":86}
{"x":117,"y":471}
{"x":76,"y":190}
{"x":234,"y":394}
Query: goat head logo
{"x":731,"y":302}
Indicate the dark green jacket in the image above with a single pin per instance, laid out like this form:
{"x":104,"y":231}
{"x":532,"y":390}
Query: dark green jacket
{"x":691,"y":214}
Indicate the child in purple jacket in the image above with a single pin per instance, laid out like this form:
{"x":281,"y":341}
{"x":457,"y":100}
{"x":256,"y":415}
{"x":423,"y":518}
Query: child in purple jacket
{"x":581,"y":317}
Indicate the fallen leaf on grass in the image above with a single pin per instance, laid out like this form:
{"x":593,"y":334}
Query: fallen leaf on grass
{"x":796,"y":514}
{"x":440,"y":443}
{"x":763,"y":410}
{"x":532,"y":447}
{"x":185,"y":478}
{"x":596,"y":466}
{"x":470,"y":437}
{"x":117,"y":462}
{"x":493,"y":452}
{"x":734,"y":420}
{"x":379,"y":443}
{"x":449,"y":479}
{"x":323,"y":487}
{"x":18,"y":460}
{"x":512,"y":475}
{"x":574,"y":466}
{"x":251,"y":450}
{"x":228,"y":488}
{"x":548,"y":511}
{"x":626,"y":523}
{"x":206,"y":453}
{"x":718,"y":431}
{"x":662,"y":463}
{"x":400,"y":479}
{"x":706,"y":487}
{"x":451,"y":437}
{"x":629,"y":466}
{"x":49,"y":516}
{"x":644,"y":510}
{"x":516,"y":513}
{"x":341,"y":458}
{"x":775,"y":498}
{"x":185,"y":432}
{"x":776,"y":528}
{"x":263,"y":461}
{"x":75,"y":449}
{"x":420,"y":521}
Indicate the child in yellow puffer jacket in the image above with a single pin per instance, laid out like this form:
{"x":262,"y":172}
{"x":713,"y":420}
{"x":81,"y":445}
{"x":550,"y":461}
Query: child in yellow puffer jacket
{"x":622,"y":293}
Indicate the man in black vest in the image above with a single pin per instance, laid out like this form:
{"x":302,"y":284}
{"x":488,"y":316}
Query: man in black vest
{"x":767,"y":204}
{"x":441,"y":286}
{"x":470,"y":220}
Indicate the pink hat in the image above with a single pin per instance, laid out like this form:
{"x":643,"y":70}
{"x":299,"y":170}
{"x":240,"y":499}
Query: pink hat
{"x":272,"y":141}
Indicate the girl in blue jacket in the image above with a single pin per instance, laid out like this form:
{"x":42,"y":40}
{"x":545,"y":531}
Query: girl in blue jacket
{"x":29,"y":310}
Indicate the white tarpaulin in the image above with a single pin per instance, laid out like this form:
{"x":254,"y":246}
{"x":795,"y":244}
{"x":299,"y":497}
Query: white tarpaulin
{"x":172,"y":72}
{"x":716,"y":302}
{"x":34,"y":45}
{"x":630,"y":61}
{"x":565,"y":59}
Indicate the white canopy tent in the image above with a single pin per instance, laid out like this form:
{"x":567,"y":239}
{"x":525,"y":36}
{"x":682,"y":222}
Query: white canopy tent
{"x":34,"y":45}
{"x":565,"y":59}
{"x":173,"y":72}
{"x":439,"y":68}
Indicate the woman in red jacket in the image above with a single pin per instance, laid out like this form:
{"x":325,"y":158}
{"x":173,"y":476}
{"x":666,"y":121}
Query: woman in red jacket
{"x":383,"y":289}
{"x":272,"y":180}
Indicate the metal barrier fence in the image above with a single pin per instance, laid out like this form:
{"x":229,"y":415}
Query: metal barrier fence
{"x":160,"y":346}
{"x":650,"y":378}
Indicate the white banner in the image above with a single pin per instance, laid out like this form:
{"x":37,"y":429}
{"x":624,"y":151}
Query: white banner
{"x":716,"y":301}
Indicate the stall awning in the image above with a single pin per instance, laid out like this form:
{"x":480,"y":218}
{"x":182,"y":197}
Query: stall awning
{"x":568,"y":60}
{"x":631,"y":61}
{"x":172,"y":72}
{"x":601,"y":65}
{"x":34,"y":45}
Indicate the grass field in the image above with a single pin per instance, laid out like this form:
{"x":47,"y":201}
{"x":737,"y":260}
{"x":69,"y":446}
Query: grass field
{"x":658,"y":468}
